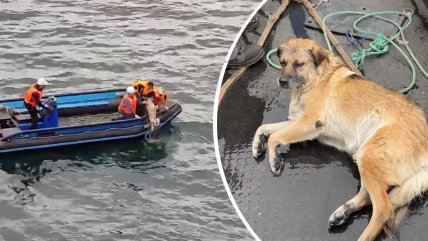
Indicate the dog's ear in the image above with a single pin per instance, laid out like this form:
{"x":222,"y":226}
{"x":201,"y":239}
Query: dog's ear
{"x":318,"y":55}
{"x":279,"y":52}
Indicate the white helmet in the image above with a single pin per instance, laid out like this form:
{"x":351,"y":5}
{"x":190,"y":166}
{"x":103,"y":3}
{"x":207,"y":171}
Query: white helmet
{"x":130,"y":90}
{"x":42,"y":81}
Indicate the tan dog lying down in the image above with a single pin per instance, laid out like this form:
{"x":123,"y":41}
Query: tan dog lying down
{"x":386,"y":134}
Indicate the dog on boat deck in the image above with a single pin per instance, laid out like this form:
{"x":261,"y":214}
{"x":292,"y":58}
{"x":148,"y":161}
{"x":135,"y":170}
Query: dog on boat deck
{"x":385,"y":133}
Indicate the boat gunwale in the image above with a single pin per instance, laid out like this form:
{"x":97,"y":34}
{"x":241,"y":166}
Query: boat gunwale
{"x":70,"y":94}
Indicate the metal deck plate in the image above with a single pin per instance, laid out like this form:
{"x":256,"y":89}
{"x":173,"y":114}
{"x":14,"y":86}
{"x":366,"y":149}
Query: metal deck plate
{"x":342,"y":23}
{"x":4,"y":115}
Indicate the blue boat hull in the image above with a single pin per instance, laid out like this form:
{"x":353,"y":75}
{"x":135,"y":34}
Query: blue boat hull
{"x":87,"y":133}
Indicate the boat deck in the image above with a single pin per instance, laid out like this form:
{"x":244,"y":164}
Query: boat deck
{"x":87,"y":119}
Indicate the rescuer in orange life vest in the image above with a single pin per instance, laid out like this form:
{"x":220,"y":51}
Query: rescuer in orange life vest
{"x":33,"y":98}
{"x":146,"y":90}
{"x":143,"y":88}
{"x":128,"y":104}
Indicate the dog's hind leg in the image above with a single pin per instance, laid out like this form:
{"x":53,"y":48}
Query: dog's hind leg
{"x":374,"y":175}
{"x":402,"y":195}
{"x":341,"y":215}
{"x":262,"y":135}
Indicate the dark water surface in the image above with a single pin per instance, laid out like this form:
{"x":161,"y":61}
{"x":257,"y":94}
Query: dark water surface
{"x":316,"y":179}
{"x":168,"y":189}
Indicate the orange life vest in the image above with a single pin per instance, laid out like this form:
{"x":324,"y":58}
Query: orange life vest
{"x":144,"y":87}
{"x":28,"y":97}
{"x":159,"y":96}
{"x":124,"y":108}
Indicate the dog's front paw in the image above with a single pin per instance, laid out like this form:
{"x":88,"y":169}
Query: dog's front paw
{"x":257,"y":147}
{"x":338,"y":217}
{"x":258,"y":141}
{"x":276,"y":165}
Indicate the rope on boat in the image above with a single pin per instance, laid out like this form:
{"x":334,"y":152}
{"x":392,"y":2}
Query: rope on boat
{"x":89,"y":119}
{"x":379,"y":46}
{"x":313,"y":12}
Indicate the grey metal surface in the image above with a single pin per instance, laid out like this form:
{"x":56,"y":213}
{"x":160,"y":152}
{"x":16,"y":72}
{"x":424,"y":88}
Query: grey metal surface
{"x":4,"y":115}
{"x":9,"y":132}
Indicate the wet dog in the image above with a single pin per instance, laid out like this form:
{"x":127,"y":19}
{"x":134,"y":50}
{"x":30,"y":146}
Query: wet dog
{"x":386,"y":134}
{"x":151,"y":112}
{"x":160,"y":99}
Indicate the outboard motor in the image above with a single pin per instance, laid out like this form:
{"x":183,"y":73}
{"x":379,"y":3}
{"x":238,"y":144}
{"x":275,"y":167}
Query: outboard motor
{"x":50,"y":116}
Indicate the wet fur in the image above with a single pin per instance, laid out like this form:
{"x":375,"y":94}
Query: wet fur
{"x":151,"y":111}
{"x":160,"y":99}
{"x":386,"y":134}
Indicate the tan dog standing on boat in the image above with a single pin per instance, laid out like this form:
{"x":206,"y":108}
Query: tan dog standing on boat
{"x":386,"y":134}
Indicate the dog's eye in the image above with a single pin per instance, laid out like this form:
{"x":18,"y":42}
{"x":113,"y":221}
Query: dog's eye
{"x":283,"y":63}
{"x":298,"y":64}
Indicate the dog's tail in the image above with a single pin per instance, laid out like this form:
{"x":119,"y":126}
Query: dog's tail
{"x":401,"y":197}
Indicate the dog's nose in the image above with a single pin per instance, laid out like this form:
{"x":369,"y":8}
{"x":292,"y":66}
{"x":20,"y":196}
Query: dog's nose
{"x":283,"y":81}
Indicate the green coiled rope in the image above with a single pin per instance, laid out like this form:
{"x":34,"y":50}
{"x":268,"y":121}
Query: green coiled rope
{"x":379,"y":46}
{"x":269,"y":60}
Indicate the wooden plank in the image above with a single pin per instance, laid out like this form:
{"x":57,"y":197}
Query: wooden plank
{"x":313,"y":12}
{"x":261,"y":41}
{"x":271,"y":21}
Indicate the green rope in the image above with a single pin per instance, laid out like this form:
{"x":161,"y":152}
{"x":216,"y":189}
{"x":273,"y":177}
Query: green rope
{"x":269,"y":60}
{"x":379,"y":46}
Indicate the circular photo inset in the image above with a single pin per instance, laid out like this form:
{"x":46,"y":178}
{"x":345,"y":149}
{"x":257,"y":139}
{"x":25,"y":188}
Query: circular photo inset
{"x":321,"y":122}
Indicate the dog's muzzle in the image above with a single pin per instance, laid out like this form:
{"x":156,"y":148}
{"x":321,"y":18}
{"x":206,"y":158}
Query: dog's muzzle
{"x":284,"y":81}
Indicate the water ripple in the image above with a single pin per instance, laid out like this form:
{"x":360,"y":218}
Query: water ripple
{"x":165,"y":189}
